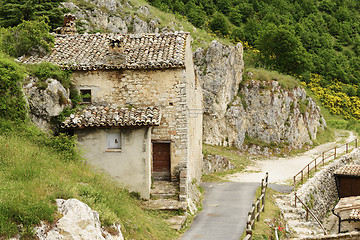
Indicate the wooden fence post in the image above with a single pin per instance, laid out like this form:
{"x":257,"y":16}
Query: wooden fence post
{"x":263,"y":202}
{"x":335,"y":153}
{"x":308,"y":171}
{"x":253,"y":215}
{"x":249,"y":232}
{"x":323,"y":158}
{"x":347,"y":147}
{"x":258,"y":209}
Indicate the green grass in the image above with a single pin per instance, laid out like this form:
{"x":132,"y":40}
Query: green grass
{"x":33,"y":175}
{"x":285,"y":81}
{"x":269,"y":219}
{"x":232,"y":154}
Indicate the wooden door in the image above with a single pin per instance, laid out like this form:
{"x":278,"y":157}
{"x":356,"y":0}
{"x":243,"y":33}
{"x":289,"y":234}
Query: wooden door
{"x":161,"y":161}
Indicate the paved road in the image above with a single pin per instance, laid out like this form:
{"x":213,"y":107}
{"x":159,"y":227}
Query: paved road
{"x":224,"y":214}
{"x":225,"y":209}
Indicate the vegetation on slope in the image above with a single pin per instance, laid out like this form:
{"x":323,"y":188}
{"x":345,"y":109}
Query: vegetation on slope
{"x":36,"y":169}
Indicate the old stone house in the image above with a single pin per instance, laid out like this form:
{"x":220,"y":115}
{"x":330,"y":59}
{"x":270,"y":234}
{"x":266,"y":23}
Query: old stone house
{"x":140,"y":119}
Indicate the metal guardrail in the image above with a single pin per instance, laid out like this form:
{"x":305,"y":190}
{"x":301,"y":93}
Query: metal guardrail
{"x":308,"y":168}
{"x":257,"y":208}
{"x":311,"y":213}
{"x":320,"y":159}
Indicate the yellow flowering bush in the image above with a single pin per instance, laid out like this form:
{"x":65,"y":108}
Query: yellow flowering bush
{"x":334,"y":97}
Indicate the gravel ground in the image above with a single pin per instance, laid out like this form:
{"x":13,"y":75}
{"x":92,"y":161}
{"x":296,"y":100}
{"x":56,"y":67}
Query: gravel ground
{"x":282,"y":170}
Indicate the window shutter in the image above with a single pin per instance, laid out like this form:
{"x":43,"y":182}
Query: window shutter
{"x":113,"y":140}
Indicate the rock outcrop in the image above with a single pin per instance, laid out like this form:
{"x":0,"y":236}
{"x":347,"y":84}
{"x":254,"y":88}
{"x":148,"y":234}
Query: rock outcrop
{"x":78,"y":222}
{"x":255,"y":110}
{"x":216,"y":163}
{"x":108,"y":15}
{"x":268,"y":113}
{"x":45,"y":101}
{"x":220,"y":70}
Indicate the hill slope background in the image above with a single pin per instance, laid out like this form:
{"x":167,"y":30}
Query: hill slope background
{"x":315,"y":41}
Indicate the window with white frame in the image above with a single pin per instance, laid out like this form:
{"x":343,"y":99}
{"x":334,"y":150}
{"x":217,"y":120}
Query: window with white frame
{"x":113,"y":140}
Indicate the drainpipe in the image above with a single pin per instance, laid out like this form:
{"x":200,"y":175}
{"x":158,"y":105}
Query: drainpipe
{"x":338,"y":217}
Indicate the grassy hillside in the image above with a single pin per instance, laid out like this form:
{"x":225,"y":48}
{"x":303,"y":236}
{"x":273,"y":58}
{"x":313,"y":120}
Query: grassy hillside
{"x":36,"y":169}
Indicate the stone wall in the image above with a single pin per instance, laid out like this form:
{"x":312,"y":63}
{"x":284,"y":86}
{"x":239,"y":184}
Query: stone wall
{"x":319,"y":192}
{"x":195,"y":118}
{"x":216,"y":163}
{"x":345,"y":236}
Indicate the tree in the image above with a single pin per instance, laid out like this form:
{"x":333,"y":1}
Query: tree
{"x":13,"y":12}
{"x":219,"y":24}
{"x":281,"y":46}
{"x":195,"y":14}
{"x":26,"y":37}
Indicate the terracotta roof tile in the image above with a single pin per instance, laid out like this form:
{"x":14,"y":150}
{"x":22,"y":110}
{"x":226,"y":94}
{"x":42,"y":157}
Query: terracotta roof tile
{"x":99,"y":116}
{"x":350,"y":170}
{"x":115,"y":51}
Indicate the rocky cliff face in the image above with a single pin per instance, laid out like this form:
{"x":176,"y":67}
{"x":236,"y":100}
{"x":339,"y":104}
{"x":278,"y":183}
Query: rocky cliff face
{"x":220,"y":70}
{"x":256,"y":111}
{"x":112,"y":16}
{"x":268,"y":113}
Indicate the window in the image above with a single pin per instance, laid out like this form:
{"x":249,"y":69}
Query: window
{"x":113,"y":140}
{"x":85,"y":95}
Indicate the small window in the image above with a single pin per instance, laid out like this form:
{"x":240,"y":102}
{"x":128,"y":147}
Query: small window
{"x":86,"y":95}
{"x":113,"y":140}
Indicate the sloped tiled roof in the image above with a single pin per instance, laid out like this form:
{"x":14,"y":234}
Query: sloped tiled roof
{"x":99,"y":116}
{"x":349,"y":170}
{"x":115,"y":51}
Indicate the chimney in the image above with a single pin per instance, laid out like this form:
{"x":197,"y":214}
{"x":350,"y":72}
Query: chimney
{"x":69,"y":25}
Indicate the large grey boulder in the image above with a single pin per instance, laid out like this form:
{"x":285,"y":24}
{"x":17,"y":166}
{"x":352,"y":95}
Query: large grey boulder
{"x":45,"y":104}
{"x":79,"y":222}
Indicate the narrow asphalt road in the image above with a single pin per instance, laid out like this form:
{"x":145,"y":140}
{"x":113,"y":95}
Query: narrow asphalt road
{"x":225,"y":209}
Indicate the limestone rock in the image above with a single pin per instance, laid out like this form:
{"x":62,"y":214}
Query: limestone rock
{"x":273,"y":115}
{"x":78,"y":222}
{"x":140,"y":26}
{"x":45,"y":104}
{"x":219,"y":69}
{"x":258,"y":110}
{"x":216,"y":163}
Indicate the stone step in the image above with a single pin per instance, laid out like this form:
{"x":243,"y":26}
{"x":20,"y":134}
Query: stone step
{"x":164,"y":204}
{"x":291,"y":215}
{"x":156,"y":196}
{"x":288,"y":209}
{"x":302,"y":231}
{"x":177,"y":222}
{"x":164,"y":190}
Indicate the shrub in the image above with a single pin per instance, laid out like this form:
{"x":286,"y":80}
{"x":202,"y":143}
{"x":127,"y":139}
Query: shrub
{"x":47,"y":70}
{"x":29,"y":36}
{"x":219,"y":24}
{"x":12,"y":102}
